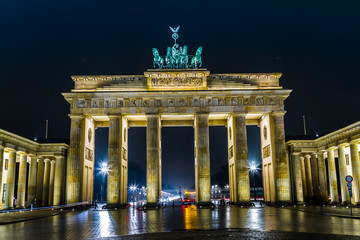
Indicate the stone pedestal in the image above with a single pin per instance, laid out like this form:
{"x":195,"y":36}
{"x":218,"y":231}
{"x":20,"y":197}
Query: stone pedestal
{"x":73,"y":175}
{"x":153,"y":160}
{"x":58,"y":179}
{"x":297,"y":177}
{"x":22,"y":181}
{"x":45,"y":195}
{"x":332,"y":177}
{"x":31,"y":192}
{"x":355,"y":166}
{"x":202,"y":160}
{"x":10,"y":180}
{"x":343,"y":173}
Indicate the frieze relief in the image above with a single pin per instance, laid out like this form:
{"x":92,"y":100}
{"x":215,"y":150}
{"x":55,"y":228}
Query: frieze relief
{"x":177,"y":82}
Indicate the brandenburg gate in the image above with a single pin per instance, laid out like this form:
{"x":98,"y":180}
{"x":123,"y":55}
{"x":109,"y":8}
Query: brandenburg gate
{"x":177,"y":92}
{"x":177,"y":97}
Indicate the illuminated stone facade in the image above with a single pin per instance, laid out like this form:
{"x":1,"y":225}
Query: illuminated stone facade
{"x":312,"y":181}
{"x":162,"y":98}
{"x":41,"y":164}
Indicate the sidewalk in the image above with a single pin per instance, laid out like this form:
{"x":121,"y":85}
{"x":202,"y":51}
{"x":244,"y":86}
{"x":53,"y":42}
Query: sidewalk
{"x":329,"y":210}
{"x":20,"y":215}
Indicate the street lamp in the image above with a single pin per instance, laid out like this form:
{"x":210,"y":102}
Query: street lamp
{"x":104,"y":168}
{"x":253,"y":170}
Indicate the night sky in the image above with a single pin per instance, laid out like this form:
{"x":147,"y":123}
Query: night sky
{"x":315,"y":45}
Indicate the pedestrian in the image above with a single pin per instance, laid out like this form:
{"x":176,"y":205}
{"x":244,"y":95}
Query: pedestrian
{"x":95,"y":206}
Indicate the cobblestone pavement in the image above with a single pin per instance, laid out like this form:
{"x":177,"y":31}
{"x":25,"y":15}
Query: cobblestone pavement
{"x":260,"y":223}
{"x":336,"y":210}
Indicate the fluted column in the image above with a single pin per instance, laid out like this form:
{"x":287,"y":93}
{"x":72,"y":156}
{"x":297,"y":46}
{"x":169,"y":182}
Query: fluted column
{"x":332,"y":177}
{"x":31,"y":192}
{"x":22,"y":181}
{"x":343,"y":173}
{"x":315,"y":177}
{"x":59,"y":176}
{"x":202,"y":159}
{"x":51,"y":183}
{"x":241,"y":159}
{"x":1,"y":169}
{"x":153,"y":159}
{"x":73,"y":171}
{"x":303,"y":178}
{"x":309,"y":186}
{"x":297,"y":177}
{"x":39,"y":181}
{"x":322,"y":179}
{"x":114,"y":157}
{"x":10,"y":180}
{"x":45,"y":196}
{"x":282,"y":162}
{"x":355,"y":166}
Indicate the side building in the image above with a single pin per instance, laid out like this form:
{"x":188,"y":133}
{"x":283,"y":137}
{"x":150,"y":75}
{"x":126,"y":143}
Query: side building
{"x":319,"y":166}
{"x":31,"y":172}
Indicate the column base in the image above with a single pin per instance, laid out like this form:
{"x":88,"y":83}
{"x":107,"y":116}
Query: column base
{"x":205,"y":205}
{"x":9,"y":208}
{"x":151,"y":206}
{"x":20,"y":207}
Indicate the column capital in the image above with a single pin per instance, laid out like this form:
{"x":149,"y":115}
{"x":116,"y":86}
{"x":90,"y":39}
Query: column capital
{"x":296,"y":153}
{"x":302,"y":158}
{"x":40,"y":159}
{"x":21,"y":153}
{"x":354,"y":141}
{"x":307,"y":156}
{"x":238,"y":114}
{"x":343,"y":144}
{"x":46,"y":160}
{"x":10,"y":150}
{"x":52,"y":161}
{"x":332,"y":148}
{"x":278,"y":113}
{"x":75,"y":116}
{"x":58,"y":156}
{"x":114,"y":116}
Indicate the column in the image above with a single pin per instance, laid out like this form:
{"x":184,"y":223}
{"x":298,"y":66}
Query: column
{"x":322,"y":179}
{"x":343,"y":173}
{"x":355,"y":166}
{"x":39,"y":181}
{"x":297,"y":177}
{"x":73,"y":175}
{"x":303,"y":178}
{"x":59,"y":177}
{"x":315,"y":177}
{"x":332,"y":177}
{"x":309,"y":186}
{"x":10,"y":180}
{"x":45,"y":195}
{"x":153,"y":160}
{"x":241,"y":160}
{"x":22,"y":181}
{"x":202,"y":160}
{"x":114,"y":157}
{"x":51,"y":183}
{"x":282,"y":163}
{"x":1,"y":170}
{"x":31,"y":192}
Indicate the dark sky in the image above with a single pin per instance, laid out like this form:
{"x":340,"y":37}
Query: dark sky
{"x":315,"y":44}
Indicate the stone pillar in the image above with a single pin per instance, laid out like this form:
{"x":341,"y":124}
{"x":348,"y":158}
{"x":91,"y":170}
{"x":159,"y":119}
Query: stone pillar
{"x":355,"y":166}
{"x":22,"y":181}
{"x":241,"y":160}
{"x":303,"y":178}
{"x":51,"y":183}
{"x":74,"y":165}
{"x":315,"y":178}
{"x":202,"y":160}
{"x":332,"y":177}
{"x":10,"y":180}
{"x":59,"y":176}
{"x":297,"y":177}
{"x":45,"y":195}
{"x":322,"y":179}
{"x":309,"y":186}
{"x":31,"y":192}
{"x":343,"y":173}
{"x":1,"y":170}
{"x":114,"y":157}
{"x":39,"y":182}
{"x":282,"y":162}
{"x":153,"y":160}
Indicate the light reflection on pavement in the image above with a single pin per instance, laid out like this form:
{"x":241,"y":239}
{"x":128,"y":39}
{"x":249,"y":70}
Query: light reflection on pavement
{"x":103,"y":223}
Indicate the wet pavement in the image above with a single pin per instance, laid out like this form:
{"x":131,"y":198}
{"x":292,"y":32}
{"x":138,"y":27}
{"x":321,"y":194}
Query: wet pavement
{"x":269,"y":222}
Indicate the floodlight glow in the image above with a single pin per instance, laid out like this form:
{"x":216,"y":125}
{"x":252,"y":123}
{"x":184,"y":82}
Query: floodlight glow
{"x":104,"y":168}
{"x":252,"y":167}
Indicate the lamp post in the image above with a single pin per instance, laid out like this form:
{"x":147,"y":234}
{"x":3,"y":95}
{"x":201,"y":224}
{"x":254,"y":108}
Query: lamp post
{"x":253,"y":170}
{"x":104,"y":170}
